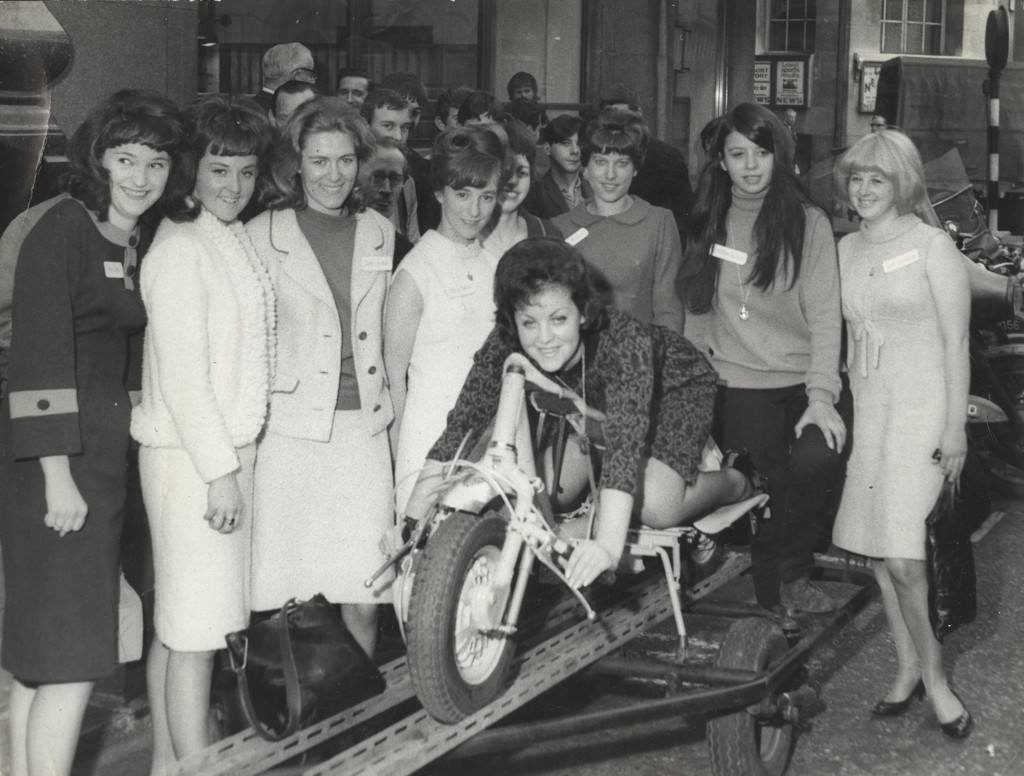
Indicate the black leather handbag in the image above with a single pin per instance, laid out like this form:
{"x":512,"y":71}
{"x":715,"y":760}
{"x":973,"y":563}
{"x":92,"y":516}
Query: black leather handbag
{"x":952,"y":593}
{"x":299,"y":666}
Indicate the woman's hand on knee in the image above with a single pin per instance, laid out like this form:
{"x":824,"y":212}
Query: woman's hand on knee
{"x":826,"y":418}
{"x":224,"y":504}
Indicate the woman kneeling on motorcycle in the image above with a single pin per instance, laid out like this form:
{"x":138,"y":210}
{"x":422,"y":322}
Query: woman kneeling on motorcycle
{"x":654,"y":388}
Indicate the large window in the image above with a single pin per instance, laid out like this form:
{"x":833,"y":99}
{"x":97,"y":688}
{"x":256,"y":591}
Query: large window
{"x":913,"y":26}
{"x":791,"y":25}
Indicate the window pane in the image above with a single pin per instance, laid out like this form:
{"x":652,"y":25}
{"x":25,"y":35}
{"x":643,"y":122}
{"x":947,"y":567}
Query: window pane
{"x":893,"y":10}
{"x":809,"y":36}
{"x":796,"y":36}
{"x":915,"y":10}
{"x":796,"y":9}
{"x":933,"y":39}
{"x":933,"y":11}
{"x":777,"y":36}
{"x":779,"y":9}
{"x":812,"y":10}
{"x":891,"y":37}
{"x":915,"y":39}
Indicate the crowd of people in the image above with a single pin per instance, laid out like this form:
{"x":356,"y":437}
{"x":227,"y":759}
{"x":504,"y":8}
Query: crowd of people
{"x":297,"y":318}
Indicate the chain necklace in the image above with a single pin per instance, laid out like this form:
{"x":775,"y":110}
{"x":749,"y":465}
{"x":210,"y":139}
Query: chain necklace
{"x":744,"y":295}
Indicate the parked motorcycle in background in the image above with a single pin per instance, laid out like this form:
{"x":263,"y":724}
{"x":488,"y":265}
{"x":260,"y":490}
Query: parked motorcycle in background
{"x":996,"y":402}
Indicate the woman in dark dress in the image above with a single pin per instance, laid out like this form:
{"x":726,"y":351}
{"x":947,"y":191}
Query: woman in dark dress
{"x":64,"y":436}
{"x":655,"y":389}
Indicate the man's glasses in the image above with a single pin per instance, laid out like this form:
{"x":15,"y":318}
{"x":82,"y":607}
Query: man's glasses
{"x":379,"y":178}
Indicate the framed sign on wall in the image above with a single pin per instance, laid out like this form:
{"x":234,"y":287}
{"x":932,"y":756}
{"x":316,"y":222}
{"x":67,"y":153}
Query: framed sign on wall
{"x":781,"y":80}
{"x":868,"y":87}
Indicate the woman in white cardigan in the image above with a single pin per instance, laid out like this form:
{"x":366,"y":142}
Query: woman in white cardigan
{"x":323,"y":474}
{"x":206,"y":378}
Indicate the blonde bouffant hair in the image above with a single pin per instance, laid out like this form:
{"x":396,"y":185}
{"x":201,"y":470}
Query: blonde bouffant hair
{"x":894,"y":155}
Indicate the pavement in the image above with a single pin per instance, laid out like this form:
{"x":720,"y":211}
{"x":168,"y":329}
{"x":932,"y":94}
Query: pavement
{"x":841,"y":739}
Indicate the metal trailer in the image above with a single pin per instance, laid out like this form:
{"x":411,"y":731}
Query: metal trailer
{"x":752,"y":695}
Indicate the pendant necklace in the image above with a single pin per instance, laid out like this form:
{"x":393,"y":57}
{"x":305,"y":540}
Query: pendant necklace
{"x":744,"y":296}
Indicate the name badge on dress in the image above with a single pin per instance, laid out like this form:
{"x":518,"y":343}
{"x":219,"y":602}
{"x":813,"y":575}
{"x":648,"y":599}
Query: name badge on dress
{"x":899,"y":262}
{"x":375,"y":263}
{"x":725,"y":253}
{"x":113,"y":269}
{"x":577,"y":237}
{"x":457,"y":292}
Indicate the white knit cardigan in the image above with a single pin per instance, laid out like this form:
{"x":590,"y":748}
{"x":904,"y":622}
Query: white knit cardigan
{"x":208,"y":356}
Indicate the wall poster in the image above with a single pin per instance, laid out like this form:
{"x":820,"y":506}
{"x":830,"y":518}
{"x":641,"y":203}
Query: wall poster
{"x":781,"y":80}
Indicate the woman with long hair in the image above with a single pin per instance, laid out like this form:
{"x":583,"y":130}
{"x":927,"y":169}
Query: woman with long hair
{"x":206,"y":371}
{"x":761,"y":286}
{"x":323,"y":488}
{"x":64,"y":426}
{"x":907,"y":304}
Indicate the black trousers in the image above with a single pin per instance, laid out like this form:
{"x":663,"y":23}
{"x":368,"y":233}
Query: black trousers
{"x":802,"y":475}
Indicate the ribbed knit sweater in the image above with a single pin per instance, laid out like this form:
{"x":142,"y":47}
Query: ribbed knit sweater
{"x":792,"y":333}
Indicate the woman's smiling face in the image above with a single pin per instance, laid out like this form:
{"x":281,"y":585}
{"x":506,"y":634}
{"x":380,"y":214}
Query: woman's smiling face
{"x":750,"y":166}
{"x":549,"y":328}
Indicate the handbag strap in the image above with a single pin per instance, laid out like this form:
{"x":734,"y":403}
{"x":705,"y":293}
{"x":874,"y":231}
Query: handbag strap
{"x":293,"y":693}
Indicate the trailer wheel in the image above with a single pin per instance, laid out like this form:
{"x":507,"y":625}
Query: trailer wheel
{"x":456,"y":668}
{"x":740,"y":743}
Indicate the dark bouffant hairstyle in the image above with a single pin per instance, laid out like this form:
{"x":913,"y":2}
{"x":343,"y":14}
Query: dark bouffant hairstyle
{"x":409,"y":86}
{"x":561,"y":128}
{"x":227,"y":126}
{"x":321,"y":114}
{"x":519,"y":139}
{"x":468,"y":156}
{"x":779,"y":228}
{"x":292,"y":87}
{"x":535,"y":263}
{"x":130,"y":116}
{"x":615,"y":132}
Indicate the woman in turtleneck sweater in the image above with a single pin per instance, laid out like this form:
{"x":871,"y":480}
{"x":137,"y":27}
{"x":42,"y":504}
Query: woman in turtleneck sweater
{"x":762,"y":289}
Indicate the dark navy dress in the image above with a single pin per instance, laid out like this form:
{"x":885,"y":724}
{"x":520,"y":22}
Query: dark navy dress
{"x":75,"y":321}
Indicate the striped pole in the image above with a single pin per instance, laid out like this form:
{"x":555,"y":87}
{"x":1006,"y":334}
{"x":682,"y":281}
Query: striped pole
{"x":993,"y":150}
{"x":997,"y":46}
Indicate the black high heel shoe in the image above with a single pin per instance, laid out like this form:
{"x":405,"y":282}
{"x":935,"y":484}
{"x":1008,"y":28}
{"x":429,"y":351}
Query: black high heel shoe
{"x":894,"y":708}
{"x":960,"y":727}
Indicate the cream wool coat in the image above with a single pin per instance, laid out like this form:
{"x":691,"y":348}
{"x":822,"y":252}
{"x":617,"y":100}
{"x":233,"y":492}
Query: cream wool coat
{"x":207,"y":358}
{"x":309,"y":333}
{"x":207,"y":363}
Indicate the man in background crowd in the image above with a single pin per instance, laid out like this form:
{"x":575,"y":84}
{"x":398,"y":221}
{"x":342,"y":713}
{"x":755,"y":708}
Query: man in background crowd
{"x":389,"y":115}
{"x":282,"y":63}
{"x":382,"y":177}
{"x":353,"y":85}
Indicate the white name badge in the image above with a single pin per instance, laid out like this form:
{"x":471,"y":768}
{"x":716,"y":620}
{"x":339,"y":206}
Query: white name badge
{"x":725,"y":253}
{"x":898,"y":262}
{"x":113,"y":269}
{"x":577,"y":237}
{"x":375,"y":263}
{"x":457,"y":292}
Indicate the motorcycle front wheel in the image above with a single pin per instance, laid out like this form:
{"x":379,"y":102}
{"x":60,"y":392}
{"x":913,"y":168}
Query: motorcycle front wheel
{"x":456,"y":666}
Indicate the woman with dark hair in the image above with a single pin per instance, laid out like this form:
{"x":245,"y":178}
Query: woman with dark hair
{"x":206,"y":371}
{"x":907,"y":304}
{"x":762,"y":290}
{"x":64,"y":425}
{"x":633,"y":245}
{"x":656,"y":390}
{"x":441,"y":305}
{"x":514,"y":223}
{"x":323,"y":471}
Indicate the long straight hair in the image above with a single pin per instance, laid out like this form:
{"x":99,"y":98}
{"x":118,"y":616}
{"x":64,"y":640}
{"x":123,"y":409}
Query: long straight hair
{"x":779,"y":228}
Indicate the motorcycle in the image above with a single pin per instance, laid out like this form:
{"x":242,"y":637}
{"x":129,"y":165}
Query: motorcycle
{"x":995,"y":412}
